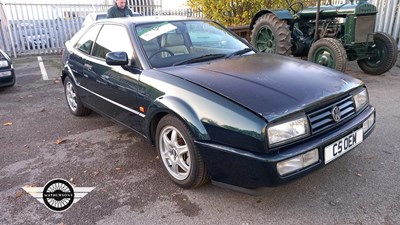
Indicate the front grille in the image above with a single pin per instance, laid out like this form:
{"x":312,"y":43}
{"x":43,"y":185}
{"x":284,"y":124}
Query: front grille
{"x":364,"y":28}
{"x":322,"y":119}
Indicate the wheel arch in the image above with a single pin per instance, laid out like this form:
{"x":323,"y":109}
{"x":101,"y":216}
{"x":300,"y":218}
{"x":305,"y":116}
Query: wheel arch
{"x":283,"y":14}
{"x":170,"y":105}
{"x":64,"y":74}
{"x":66,"y":71}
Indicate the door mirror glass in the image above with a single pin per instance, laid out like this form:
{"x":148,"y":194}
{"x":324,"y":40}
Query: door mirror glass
{"x":117,"y":58}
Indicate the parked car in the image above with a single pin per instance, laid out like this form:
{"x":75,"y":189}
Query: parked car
{"x":7,"y":75}
{"x":33,"y":37}
{"x":91,"y":17}
{"x":41,"y":40}
{"x":220,"y":111}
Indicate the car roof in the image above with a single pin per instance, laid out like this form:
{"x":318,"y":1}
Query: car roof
{"x":149,"y":19}
{"x":95,"y":15}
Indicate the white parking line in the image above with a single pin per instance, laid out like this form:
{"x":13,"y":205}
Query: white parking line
{"x":42,"y":68}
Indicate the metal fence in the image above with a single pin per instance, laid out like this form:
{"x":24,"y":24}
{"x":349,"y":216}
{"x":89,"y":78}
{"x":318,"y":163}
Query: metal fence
{"x":180,"y":12}
{"x":39,"y":28}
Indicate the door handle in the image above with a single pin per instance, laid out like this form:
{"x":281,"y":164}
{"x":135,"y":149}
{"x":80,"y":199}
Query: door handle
{"x":88,"y":66}
{"x":105,"y":77}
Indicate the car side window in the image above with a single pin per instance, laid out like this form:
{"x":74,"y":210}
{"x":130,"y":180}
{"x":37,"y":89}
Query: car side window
{"x":112,"y":38}
{"x":86,"y":42}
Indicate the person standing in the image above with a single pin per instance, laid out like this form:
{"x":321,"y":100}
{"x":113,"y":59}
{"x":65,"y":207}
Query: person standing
{"x":120,"y":9}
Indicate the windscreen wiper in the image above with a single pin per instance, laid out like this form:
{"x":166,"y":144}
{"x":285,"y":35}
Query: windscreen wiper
{"x":239,"y":52}
{"x":200,"y":59}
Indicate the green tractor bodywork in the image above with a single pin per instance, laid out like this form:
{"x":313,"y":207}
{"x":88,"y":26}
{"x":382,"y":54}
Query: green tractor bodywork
{"x":345,"y":32}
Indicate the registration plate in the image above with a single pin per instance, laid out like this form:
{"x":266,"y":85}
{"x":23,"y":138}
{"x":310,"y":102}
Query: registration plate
{"x":343,"y":145}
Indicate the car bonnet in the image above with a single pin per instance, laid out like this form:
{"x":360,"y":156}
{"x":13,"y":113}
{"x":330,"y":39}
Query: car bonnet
{"x":270,"y":85}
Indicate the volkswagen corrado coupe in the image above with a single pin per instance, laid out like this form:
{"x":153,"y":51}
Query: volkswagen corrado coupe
{"x":213,"y":106}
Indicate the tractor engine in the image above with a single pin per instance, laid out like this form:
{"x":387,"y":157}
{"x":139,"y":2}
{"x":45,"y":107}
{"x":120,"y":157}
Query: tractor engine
{"x":303,"y":33}
{"x":350,"y":23}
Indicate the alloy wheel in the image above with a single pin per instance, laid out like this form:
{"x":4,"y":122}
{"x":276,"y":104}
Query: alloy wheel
{"x":174,"y":152}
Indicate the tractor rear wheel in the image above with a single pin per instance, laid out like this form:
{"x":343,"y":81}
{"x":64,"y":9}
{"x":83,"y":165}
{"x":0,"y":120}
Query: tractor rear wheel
{"x":271,"y":35}
{"x":328,"y":52}
{"x":384,"y":55}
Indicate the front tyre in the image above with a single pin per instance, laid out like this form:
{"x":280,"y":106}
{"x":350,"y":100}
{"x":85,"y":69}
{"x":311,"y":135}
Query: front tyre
{"x":384,"y":55}
{"x":328,"y":52}
{"x":75,"y":104}
{"x":178,"y":154}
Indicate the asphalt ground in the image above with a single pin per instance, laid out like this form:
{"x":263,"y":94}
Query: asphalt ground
{"x":43,"y":141}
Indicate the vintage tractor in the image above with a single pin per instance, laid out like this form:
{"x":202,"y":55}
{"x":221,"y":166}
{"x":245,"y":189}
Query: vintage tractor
{"x":329,"y":35}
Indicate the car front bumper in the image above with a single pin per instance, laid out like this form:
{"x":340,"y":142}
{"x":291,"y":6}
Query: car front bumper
{"x":250,"y":170}
{"x":7,"y":77}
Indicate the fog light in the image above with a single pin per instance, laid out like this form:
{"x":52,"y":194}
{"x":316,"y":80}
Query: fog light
{"x":368,"y":123}
{"x":5,"y":74}
{"x":298,"y":162}
{"x":310,"y":158}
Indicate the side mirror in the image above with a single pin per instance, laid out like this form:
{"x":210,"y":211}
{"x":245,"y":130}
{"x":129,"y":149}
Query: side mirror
{"x":117,"y":58}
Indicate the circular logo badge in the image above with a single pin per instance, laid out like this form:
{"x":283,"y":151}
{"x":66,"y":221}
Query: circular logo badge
{"x":336,"y":114}
{"x":58,"y":195}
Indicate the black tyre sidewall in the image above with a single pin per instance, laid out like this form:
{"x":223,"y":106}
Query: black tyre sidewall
{"x":257,"y":27}
{"x":197,"y":165}
{"x":81,"y":110}
{"x":386,"y":41}
{"x":264,"y":21}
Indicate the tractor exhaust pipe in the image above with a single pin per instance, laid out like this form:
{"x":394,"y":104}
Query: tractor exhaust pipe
{"x":316,"y":36}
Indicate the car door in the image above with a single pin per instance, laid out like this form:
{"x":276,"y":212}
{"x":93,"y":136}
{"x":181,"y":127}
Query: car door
{"x":115,"y":86}
{"x":78,"y":58}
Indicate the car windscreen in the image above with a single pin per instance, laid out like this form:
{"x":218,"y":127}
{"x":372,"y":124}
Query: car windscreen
{"x":183,"y":42}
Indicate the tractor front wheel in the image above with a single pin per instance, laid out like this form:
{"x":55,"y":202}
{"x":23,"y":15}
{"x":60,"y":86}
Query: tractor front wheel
{"x":271,"y":35}
{"x":328,"y":52}
{"x":384,"y":55}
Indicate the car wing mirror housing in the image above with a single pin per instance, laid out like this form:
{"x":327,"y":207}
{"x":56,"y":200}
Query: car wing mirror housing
{"x":117,"y":58}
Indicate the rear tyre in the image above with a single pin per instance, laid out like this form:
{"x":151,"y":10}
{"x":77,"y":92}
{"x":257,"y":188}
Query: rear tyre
{"x":328,"y":52}
{"x":271,"y":35}
{"x":384,"y":56}
{"x":178,"y":154}
{"x":75,"y":104}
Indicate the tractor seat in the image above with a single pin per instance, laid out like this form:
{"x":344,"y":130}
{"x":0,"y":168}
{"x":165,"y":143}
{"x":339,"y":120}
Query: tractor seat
{"x":175,"y":43}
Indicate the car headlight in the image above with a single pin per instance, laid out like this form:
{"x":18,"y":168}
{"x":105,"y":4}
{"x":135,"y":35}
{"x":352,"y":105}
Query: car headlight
{"x":3,"y":63}
{"x":360,"y":99}
{"x":288,"y":130}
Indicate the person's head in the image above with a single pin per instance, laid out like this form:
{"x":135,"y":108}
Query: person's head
{"x":120,"y":3}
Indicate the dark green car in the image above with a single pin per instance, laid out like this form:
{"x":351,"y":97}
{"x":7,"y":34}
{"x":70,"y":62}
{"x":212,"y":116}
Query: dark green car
{"x":212,"y":105}
{"x":7,"y":75}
